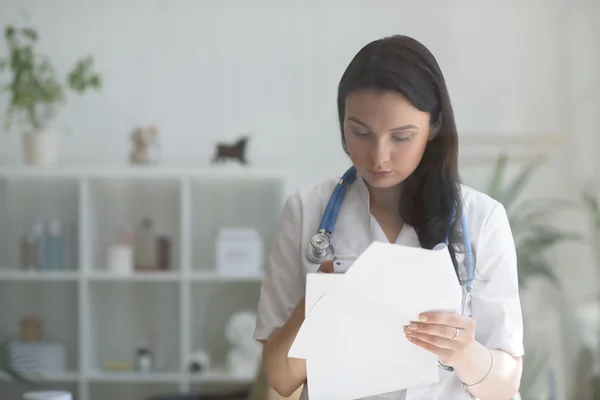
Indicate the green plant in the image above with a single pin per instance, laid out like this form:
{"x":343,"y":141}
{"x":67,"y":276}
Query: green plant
{"x":593,"y":208}
{"x":534,"y":373}
{"x":34,"y":90}
{"x":529,"y":221}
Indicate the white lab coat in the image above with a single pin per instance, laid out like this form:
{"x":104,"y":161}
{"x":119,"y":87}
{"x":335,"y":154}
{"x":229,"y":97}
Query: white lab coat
{"x":495,"y":304}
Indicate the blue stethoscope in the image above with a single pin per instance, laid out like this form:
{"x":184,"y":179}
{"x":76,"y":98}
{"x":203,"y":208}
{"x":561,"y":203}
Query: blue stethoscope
{"x":320,"y":248}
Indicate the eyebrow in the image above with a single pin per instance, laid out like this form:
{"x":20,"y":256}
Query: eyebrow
{"x":400,"y":128}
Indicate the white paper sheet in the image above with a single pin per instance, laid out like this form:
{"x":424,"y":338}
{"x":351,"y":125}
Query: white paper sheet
{"x":354,"y":322}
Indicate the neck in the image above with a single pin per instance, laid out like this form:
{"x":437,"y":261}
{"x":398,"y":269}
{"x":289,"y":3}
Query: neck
{"x":386,"y":200}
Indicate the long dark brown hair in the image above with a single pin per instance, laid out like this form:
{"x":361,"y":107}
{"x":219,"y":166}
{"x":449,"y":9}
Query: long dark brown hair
{"x":430,"y":200}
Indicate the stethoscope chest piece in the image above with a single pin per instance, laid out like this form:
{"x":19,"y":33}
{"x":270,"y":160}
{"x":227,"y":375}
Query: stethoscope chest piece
{"x":320,"y":249}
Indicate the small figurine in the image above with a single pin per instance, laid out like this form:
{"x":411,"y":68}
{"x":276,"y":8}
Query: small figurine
{"x":144,"y":150}
{"x":244,"y":354}
{"x":144,"y":360}
{"x":199,"y":361}
{"x":235,"y":151}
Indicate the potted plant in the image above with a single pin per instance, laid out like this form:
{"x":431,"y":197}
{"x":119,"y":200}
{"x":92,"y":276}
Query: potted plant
{"x":530,"y":222}
{"x":35,"y":92}
{"x":534,"y":235}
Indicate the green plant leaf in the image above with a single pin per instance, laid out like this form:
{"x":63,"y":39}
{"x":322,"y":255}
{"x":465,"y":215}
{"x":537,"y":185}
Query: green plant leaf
{"x":591,"y":203}
{"x":532,"y":264}
{"x":495,"y":186}
{"x":515,"y":188}
{"x":534,"y":371}
{"x":30,"y":33}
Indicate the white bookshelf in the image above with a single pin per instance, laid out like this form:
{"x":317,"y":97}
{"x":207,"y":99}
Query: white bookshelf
{"x":101,"y":316}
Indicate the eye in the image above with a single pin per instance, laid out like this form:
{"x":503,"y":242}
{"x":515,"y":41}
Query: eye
{"x":401,"y":139}
{"x":362,"y":134}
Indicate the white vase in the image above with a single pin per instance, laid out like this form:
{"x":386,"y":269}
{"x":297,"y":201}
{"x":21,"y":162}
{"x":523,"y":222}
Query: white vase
{"x":40,"y":147}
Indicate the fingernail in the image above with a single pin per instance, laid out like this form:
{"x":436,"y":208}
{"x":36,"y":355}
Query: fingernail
{"x":422,"y":318}
{"x":409,"y":338}
{"x":412,"y":327}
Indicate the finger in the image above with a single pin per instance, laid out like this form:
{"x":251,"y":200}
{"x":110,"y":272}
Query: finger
{"x":444,"y":331}
{"x":326,"y":267}
{"x":448,"y":319}
{"x":441,"y":352}
{"x":435,"y":341}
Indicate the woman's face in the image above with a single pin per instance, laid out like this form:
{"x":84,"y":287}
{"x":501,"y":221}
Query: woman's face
{"x":385,"y":135}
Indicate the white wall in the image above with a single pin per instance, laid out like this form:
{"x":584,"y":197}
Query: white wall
{"x":206,"y":71}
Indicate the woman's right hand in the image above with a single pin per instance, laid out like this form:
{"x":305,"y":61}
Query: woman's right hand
{"x":326,"y":267}
{"x":285,"y":374}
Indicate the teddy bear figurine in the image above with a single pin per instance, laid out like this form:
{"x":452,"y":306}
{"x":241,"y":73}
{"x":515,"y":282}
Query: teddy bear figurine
{"x":145,"y":145}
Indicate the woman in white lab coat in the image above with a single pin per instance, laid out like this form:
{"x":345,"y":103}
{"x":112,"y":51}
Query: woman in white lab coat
{"x":398,"y":128}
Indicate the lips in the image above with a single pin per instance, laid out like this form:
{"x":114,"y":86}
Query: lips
{"x":379,"y":174}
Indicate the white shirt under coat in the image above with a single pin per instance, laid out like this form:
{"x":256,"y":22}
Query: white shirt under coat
{"x":494,"y":305}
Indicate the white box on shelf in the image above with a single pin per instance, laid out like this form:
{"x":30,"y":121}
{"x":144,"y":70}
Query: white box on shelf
{"x":239,"y":252}
{"x":38,"y":356}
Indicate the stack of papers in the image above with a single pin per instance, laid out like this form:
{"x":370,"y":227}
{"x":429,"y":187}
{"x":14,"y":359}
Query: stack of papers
{"x":353,"y":337}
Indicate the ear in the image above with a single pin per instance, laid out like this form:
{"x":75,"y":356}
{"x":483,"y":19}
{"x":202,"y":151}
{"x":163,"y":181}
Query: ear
{"x":435,"y":128}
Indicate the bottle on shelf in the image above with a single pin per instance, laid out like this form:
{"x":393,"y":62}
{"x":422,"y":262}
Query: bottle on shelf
{"x":144,"y":359}
{"x":120,"y":255}
{"x":32,"y":245}
{"x":145,"y":246}
{"x":54,"y":245}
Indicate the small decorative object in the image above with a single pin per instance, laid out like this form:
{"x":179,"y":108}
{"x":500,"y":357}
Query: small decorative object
{"x":120,"y":255}
{"x":35,"y":92}
{"x":48,"y":395}
{"x":54,"y":245}
{"x":163,"y":255}
{"x":31,"y":329}
{"x":239,"y":251}
{"x":199,"y":361}
{"x":145,"y":246}
{"x":31,"y":245}
{"x":144,"y":360}
{"x":48,"y":245}
{"x":235,"y":151}
{"x":118,"y":366}
{"x":145,"y":147}
{"x":244,"y":356}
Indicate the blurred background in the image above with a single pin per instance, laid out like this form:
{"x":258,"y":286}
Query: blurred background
{"x":147,"y":148}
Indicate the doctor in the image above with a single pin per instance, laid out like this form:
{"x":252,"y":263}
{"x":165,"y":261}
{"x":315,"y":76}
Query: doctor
{"x":398,"y":128}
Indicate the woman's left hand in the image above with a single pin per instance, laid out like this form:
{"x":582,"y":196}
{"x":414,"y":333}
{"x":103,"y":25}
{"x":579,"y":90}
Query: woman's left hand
{"x":448,"y":335}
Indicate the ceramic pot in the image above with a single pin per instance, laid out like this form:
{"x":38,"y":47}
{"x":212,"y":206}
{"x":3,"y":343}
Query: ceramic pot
{"x":40,"y":147}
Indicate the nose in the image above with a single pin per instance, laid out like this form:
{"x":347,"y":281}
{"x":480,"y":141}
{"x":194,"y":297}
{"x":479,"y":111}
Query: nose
{"x":380,"y":151}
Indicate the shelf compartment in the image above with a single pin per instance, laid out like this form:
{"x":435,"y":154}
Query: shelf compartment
{"x":230,"y":203}
{"x":56,"y":304}
{"x":124,"y":315}
{"x":131,"y":390}
{"x":117,"y":203}
{"x":211,"y":307}
{"x":34,"y":201}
